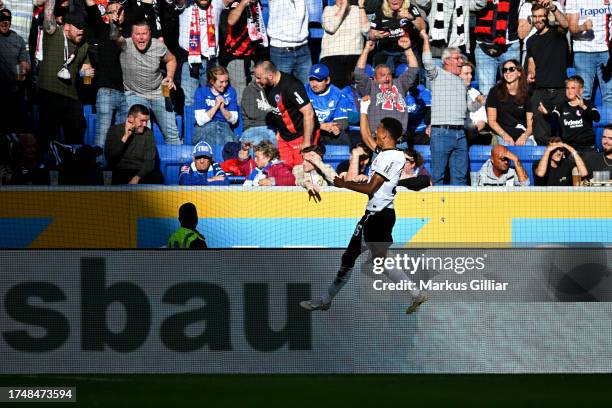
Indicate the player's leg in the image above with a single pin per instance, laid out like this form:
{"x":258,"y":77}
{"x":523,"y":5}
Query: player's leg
{"x":352,"y":252}
{"x":378,"y":235}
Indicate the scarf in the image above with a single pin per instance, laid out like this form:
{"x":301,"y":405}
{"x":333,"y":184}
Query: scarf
{"x":492,"y":22}
{"x":196,"y":48}
{"x":439,"y":32}
{"x":256,"y":25}
{"x":259,"y":174}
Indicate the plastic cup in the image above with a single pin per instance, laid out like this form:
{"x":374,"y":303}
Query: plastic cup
{"x":474,"y":178}
{"x":576,"y":177}
{"x":165,"y":91}
{"x":108,"y":178}
{"x":87,"y":77}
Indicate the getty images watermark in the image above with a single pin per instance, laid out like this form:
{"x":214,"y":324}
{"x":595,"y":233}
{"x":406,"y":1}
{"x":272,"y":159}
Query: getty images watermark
{"x":410,"y":265}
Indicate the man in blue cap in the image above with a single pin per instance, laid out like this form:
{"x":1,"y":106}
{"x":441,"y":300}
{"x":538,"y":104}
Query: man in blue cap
{"x":202,"y":171}
{"x":330,"y":104}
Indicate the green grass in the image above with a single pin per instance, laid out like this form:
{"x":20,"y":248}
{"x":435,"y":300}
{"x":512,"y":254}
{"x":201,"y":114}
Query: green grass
{"x":328,"y":390}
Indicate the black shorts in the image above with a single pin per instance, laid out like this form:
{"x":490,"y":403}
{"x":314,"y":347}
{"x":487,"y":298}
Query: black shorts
{"x":378,"y":226}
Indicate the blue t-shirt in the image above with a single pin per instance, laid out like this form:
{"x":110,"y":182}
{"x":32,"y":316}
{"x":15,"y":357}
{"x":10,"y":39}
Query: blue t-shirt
{"x":205,"y":99}
{"x":331,"y":105}
{"x":417,"y":101}
{"x":189,"y":176}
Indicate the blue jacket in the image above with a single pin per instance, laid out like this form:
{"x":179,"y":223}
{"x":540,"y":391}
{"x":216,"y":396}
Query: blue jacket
{"x":189,"y":176}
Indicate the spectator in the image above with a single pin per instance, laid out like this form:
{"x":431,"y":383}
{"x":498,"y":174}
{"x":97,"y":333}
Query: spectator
{"x":387,"y":93}
{"x":557,"y":165}
{"x":198,"y":42}
{"x":255,"y":109}
{"x":246,"y":39}
{"x":357,"y":167}
{"x":110,"y":99}
{"x":418,"y":104}
{"x":313,"y":174}
{"x":497,"y":40}
{"x":130,"y":150}
{"x":393,"y":20}
{"x":14,"y":65}
{"x":27,"y":166}
{"x":448,"y":111}
{"x":292,"y":113}
{"x":547,"y":54}
{"x":449,"y":22}
{"x":216,"y":108}
{"x":575,"y":116}
{"x":508,"y":109}
{"x":64,"y":54}
{"x":414,"y":175}
{"x":21,"y":15}
{"x":330,"y":104}
{"x":344,"y":26}
{"x":496,"y":171}
{"x":588,"y":21}
{"x":266,"y":169}
{"x":477,"y":113}
{"x":601,"y":161}
{"x":288,"y":31}
{"x":202,"y":171}
{"x":143,"y":80}
{"x":187,"y":236}
{"x":526,"y":27}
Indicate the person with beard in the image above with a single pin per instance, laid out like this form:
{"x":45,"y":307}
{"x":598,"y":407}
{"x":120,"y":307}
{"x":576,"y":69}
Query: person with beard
{"x":65,"y":57}
{"x":130,"y":150}
{"x":292,"y":113}
{"x":140,"y":58}
{"x":547,"y":56}
{"x":110,"y":99}
{"x":601,"y":161}
{"x":14,"y":65}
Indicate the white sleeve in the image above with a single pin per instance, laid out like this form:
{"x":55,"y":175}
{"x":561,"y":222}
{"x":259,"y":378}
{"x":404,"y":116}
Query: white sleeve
{"x":234,"y":119}
{"x":571,"y":7}
{"x":201,"y":117}
{"x":385,"y":166}
{"x":525,"y":11}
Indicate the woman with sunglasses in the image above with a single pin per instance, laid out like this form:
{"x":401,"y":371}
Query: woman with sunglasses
{"x":509,"y":111}
{"x":414,"y":175}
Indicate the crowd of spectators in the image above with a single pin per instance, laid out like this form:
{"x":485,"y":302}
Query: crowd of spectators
{"x":502,"y":78}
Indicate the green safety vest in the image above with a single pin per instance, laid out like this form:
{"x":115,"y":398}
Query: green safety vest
{"x":183,"y":238}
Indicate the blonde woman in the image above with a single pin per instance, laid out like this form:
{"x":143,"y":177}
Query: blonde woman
{"x":344,"y":29}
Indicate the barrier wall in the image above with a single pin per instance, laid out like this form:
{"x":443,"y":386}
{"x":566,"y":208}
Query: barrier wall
{"x":237,"y":311}
{"x":144,"y":217}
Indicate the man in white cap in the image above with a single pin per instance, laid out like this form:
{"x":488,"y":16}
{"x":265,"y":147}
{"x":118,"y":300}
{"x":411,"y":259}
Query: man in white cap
{"x":202,"y":171}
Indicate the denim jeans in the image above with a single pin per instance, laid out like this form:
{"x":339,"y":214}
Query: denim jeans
{"x":529,"y":142}
{"x":108,"y":102}
{"x":588,"y":64}
{"x":190,"y":84}
{"x":257,"y":134}
{"x":449,"y":148}
{"x":296,"y":63}
{"x":166,"y":120}
{"x":214,"y":132}
{"x":488,"y":67}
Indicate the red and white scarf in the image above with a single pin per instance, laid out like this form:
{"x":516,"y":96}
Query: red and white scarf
{"x":198,"y":47}
{"x":256,"y":25}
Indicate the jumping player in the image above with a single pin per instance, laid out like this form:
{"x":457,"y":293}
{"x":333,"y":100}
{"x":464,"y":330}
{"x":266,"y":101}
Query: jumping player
{"x":376,"y":225}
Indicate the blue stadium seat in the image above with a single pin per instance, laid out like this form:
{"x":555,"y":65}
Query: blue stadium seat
{"x":171,"y":158}
{"x":189,"y":123}
{"x":336,"y":154}
{"x":90,"y":120}
{"x":218,"y":153}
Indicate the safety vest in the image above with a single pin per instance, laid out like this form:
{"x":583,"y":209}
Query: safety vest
{"x":183,"y":238}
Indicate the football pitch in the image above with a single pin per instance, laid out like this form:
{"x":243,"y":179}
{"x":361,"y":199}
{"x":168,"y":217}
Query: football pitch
{"x":326,"y":390}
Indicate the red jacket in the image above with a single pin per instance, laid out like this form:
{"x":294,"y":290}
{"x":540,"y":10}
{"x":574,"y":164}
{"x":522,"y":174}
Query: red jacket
{"x":280,"y":171}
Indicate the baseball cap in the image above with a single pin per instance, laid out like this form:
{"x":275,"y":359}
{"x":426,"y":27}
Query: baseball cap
{"x":202,"y":149}
{"x":319,"y":72}
{"x":5,"y":15}
{"x":76,"y":19}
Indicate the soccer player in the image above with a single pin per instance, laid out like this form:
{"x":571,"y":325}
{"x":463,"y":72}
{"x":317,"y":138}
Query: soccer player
{"x":376,"y":225}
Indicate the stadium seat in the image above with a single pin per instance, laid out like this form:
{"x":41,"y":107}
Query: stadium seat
{"x":189,"y":124}
{"x":90,"y":120}
{"x":218,"y":153}
{"x":171,"y":158}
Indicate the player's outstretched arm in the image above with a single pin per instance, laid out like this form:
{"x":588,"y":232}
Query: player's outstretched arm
{"x":368,"y":188}
{"x":364,"y":123}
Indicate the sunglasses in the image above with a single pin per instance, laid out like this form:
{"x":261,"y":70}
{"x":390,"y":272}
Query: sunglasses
{"x":409,"y":159}
{"x":508,"y":69}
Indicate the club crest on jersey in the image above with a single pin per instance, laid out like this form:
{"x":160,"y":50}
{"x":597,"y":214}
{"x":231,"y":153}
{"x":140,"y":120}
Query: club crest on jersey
{"x":578,"y":113}
{"x":277,"y":98}
{"x":390,"y":99}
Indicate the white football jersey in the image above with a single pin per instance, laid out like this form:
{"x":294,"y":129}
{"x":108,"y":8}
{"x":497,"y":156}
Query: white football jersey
{"x":389,"y":164}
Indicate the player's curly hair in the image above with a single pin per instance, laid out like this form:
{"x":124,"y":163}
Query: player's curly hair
{"x":393,"y":126}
